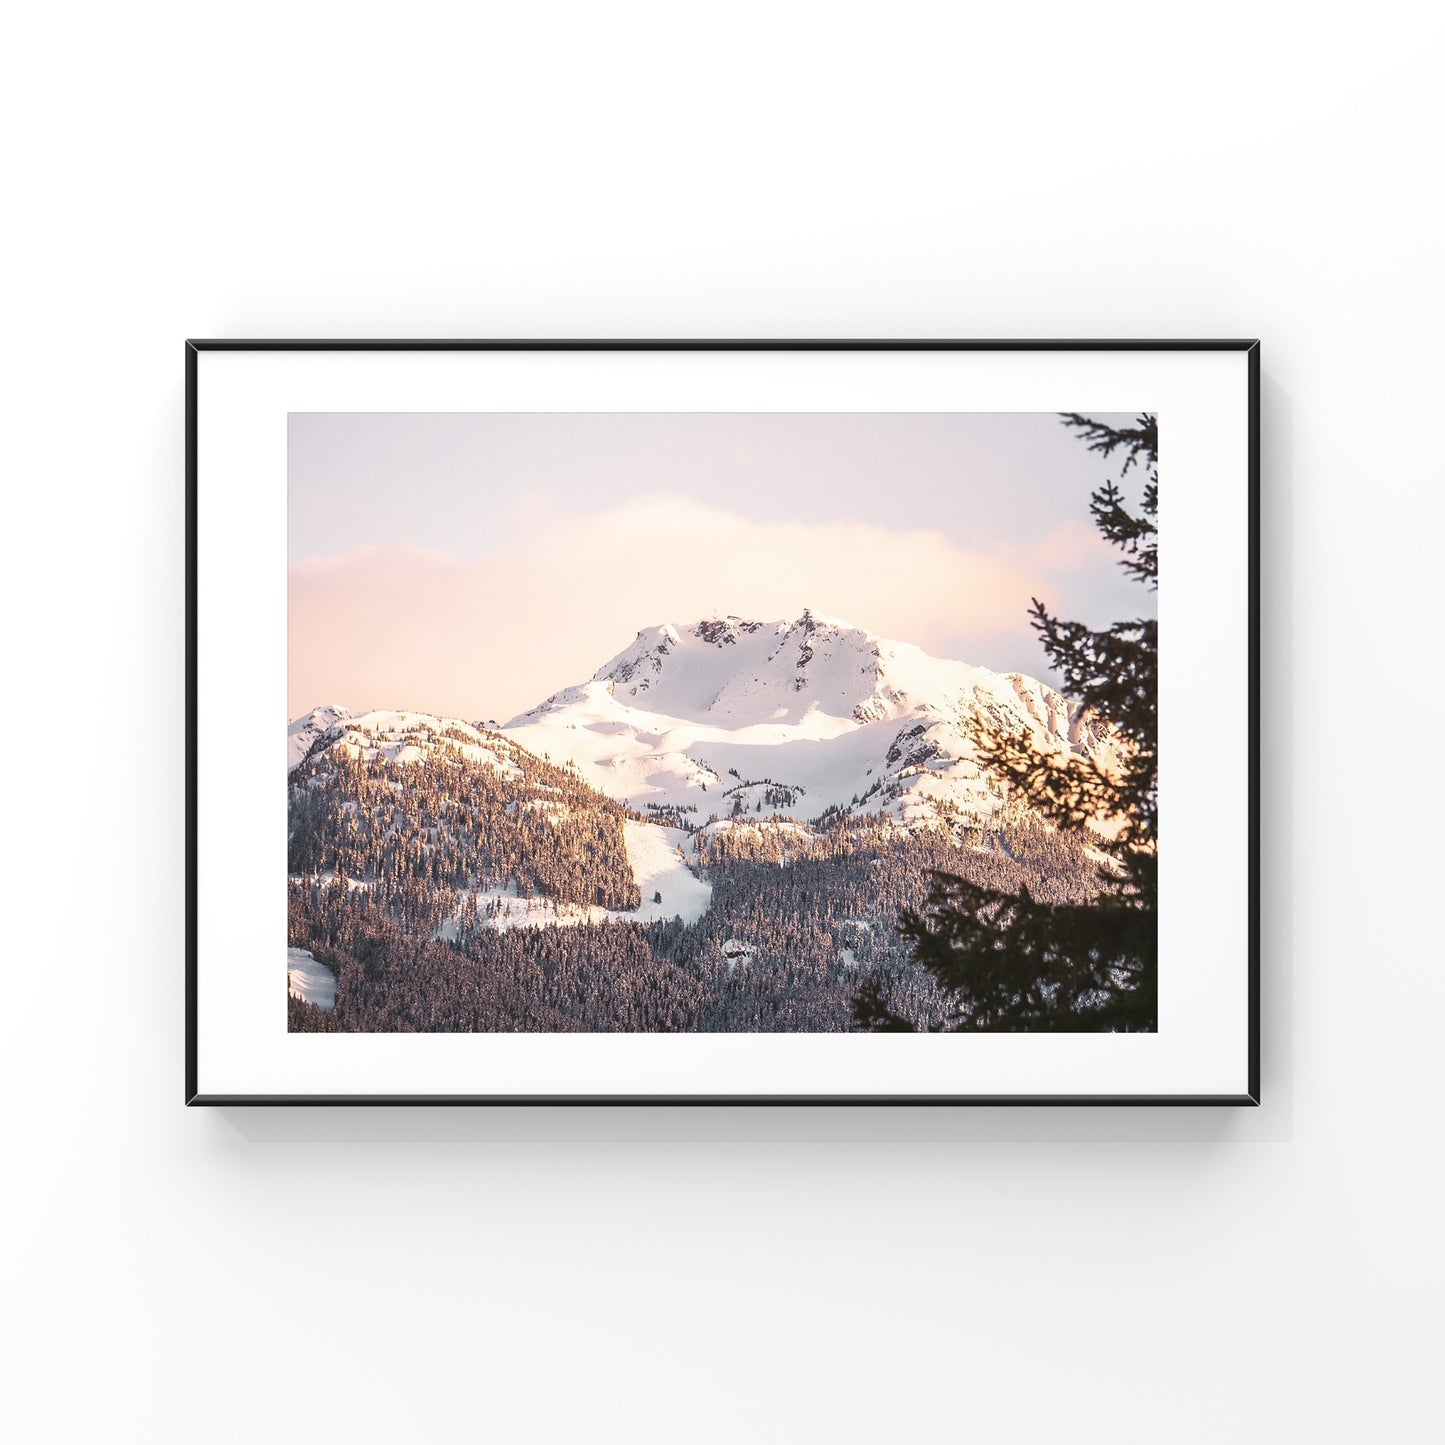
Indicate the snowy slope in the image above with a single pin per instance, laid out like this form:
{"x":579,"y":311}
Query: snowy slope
{"x":656,"y":855}
{"x":400,"y":737}
{"x":735,"y":717}
{"x":307,"y":979}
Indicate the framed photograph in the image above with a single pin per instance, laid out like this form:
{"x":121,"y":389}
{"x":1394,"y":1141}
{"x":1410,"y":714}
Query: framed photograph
{"x":689,"y":722}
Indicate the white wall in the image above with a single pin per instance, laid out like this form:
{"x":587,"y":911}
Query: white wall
{"x":285,"y":169}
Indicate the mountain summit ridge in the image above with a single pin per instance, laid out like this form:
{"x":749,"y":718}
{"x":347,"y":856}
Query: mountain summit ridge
{"x":802,"y":717}
{"x":763,"y":672}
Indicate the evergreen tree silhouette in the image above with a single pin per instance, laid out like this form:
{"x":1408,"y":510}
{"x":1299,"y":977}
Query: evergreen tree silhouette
{"x":1008,"y":961}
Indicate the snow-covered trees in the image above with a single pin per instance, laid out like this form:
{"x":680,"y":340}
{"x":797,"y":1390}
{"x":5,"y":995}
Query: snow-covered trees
{"x":816,"y":908}
{"x":419,"y":836}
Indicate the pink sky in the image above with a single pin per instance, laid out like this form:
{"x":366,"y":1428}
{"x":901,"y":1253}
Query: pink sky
{"x":475,"y":569}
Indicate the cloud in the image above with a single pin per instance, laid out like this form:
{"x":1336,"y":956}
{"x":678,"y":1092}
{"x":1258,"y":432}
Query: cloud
{"x":489,"y":636}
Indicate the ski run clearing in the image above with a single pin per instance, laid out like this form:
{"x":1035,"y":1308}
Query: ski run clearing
{"x":656,"y":855}
{"x":657,"y":864}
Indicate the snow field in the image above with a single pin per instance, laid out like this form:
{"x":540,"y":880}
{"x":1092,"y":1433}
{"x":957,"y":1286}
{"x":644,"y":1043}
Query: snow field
{"x":307,"y":979}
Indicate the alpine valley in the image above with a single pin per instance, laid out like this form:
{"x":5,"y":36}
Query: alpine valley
{"x":716,"y":832}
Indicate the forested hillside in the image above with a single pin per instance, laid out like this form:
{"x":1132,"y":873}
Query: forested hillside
{"x":414,"y":822}
{"x":398,"y":869}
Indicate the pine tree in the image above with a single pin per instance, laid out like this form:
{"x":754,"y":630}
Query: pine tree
{"x":1008,"y":961}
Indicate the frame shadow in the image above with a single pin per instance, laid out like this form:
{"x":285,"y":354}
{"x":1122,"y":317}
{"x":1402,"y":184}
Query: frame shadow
{"x":1272,"y":1122}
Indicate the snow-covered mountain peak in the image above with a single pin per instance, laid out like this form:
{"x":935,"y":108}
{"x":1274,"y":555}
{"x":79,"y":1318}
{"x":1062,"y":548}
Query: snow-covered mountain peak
{"x":741,"y":672}
{"x":794,"y":717}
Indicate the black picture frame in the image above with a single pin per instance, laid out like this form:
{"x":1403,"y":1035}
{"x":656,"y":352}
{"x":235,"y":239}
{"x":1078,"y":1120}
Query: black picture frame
{"x":193,"y":1095}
